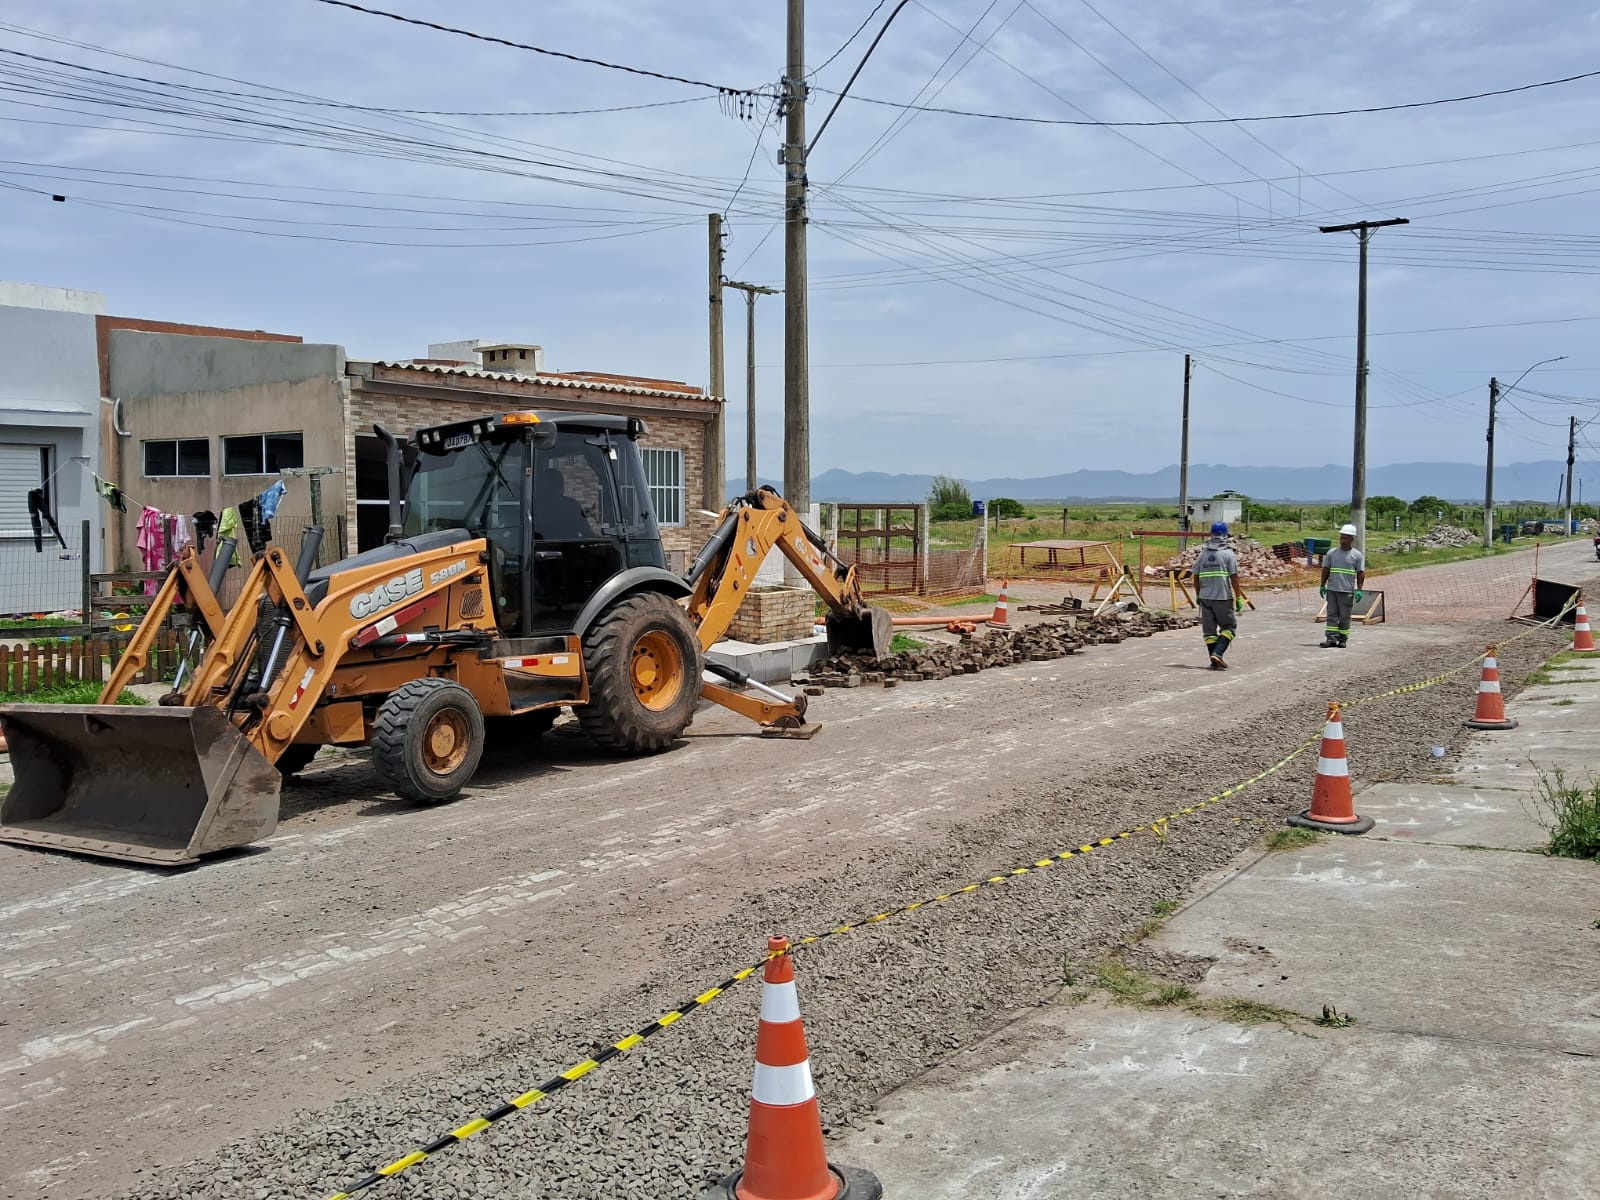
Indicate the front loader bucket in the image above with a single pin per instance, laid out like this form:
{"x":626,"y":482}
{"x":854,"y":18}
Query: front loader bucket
{"x":867,"y":632}
{"x":149,"y":785}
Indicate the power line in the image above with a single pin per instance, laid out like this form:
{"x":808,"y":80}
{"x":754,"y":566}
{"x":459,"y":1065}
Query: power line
{"x":819,"y":70}
{"x":341,"y":104}
{"x":1295,"y":116}
{"x":720,"y":88}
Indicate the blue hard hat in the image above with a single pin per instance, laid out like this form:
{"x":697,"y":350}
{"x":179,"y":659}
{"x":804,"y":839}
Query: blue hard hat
{"x":1219,"y":527}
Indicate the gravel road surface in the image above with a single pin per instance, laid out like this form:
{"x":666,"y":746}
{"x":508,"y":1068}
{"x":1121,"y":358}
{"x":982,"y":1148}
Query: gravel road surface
{"x":281,"y":1022}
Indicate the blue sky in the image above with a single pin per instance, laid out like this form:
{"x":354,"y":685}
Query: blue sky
{"x":989,"y":297}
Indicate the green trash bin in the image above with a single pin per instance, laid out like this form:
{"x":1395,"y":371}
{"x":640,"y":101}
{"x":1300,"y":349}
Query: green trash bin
{"x":1507,"y":532}
{"x":1316,"y":548}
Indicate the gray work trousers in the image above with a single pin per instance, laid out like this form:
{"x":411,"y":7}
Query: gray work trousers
{"x":1339,"y":606}
{"x":1218,"y":622}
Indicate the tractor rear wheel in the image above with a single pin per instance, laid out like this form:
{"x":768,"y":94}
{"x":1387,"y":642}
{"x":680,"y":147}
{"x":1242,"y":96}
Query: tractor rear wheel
{"x":428,"y":739}
{"x":643,"y":663}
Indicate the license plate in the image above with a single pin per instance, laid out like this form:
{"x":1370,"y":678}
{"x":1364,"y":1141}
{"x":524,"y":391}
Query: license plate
{"x":456,"y":440}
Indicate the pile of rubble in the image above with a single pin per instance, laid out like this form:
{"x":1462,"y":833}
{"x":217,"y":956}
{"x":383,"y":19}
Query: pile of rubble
{"x":1437,"y":538}
{"x":1255,"y":560}
{"x":996,"y":648}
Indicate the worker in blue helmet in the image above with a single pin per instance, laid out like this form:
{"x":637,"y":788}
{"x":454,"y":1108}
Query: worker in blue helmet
{"x":1216,"y":575}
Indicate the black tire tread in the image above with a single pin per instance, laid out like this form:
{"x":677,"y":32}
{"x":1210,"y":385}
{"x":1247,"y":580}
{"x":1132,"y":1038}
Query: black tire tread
{"x":390,"y":752}
{"x":613,"y":717}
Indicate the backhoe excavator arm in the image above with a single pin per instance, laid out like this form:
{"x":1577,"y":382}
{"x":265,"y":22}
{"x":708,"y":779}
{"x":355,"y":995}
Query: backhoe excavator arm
{"x":725,"y":569}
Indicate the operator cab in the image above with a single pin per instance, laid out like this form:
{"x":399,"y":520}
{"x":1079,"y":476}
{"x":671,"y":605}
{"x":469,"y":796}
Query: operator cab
{"x":561,"y":497}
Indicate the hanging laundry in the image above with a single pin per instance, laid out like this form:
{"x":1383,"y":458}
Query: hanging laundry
{"x":205,"y":528}
{"x":256,"y":527}
{"x":111,"y":492}
{"x":39,"y":511}
{"x":270,"y":499}
{"x":229,"y":527}
{"x":180,"y":533}
{"x":151,"y":542}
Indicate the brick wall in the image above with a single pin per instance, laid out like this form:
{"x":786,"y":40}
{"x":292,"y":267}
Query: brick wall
{"x":774,"y":614}
{"x":402,"y":415}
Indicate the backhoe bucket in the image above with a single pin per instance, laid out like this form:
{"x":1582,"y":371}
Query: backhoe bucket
{"x":868,"y":632}
{"x":149,"y":785}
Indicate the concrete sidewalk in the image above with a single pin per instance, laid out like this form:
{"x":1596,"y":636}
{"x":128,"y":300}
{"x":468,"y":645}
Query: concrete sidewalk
{"x":1472,"y":970}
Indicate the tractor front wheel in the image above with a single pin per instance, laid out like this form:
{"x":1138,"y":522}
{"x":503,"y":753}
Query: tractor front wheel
{"x":643,"y":663}
{"x":428,"y":739}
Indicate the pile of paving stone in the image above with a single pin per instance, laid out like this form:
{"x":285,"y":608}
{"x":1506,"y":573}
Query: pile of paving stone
{"x":1437,"y":538}
{"x":995,"y":648}
{"x":1255,"y":560}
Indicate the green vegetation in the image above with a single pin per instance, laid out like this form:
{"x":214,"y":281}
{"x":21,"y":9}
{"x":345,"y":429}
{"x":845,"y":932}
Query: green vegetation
{"x":86,"y":692}
{"x":1332,"y":1018}
{"x":949,"y":500}
{"x":1572,"y":815}
{"x":901,"y":644}
{"x":1010,"y":521}
{"x":1563,"y":703}
{"x":1291,"y":838}
{"x":1125,"y":985}
{"x":1165,"y":908}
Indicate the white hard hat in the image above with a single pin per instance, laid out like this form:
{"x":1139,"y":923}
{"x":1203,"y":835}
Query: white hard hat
{"x":1347,"y":531}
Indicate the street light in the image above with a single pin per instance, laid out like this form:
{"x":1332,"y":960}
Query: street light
{"x":1488,"y":474}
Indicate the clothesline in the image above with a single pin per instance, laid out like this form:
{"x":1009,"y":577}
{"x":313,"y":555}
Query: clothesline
{"x":158,"y":543}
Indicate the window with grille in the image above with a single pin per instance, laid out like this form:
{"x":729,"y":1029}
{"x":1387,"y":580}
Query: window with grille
{"x":177,"y":456}
{"x":663,"y":472}
{"x":262,"y":453}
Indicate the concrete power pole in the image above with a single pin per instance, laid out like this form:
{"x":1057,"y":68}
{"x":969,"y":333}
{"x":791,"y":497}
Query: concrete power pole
{"x":715,"y":489}
{"x":1488,"y":474}
{"x":796,"y":338}
{"x":1572,"y":455}
{"x":1183,"y":457}
{"x":751,"y":291}
{"x":1358,"y":472}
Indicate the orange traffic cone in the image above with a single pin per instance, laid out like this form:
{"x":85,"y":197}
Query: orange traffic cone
{"x":1002,"y":613}
{"x":1332,"y":809}
{"x":1491,"y":710}
{"x":1582,"y":639}
{"x":784,"y":1158}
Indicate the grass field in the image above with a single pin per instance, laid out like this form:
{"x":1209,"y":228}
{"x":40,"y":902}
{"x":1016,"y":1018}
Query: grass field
{"x":1117,"y":523}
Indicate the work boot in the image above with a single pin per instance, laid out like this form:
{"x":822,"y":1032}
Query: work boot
{"x":1218,"y":663}
{"x":1344,"y":640}
{"x":1328,"y":639}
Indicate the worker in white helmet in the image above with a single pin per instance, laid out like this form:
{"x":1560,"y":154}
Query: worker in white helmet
{"x":1344,"y":574}
{"x":1216,"y":574}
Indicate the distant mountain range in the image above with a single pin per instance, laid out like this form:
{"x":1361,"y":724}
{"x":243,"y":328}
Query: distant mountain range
{"x":1461,"y":482}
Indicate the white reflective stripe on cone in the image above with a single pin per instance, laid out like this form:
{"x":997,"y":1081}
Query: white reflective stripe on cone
{"x":1334,"y":730}
{"x":783,"y":1086}
{"x":1490,"y":664}
{"x":1488,"y":685}
{"x":1333,"y":766}
{"x":779,"y":1003}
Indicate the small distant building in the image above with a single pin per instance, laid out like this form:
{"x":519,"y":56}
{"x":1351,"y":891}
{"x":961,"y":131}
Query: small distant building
{"x":1224,"y":506}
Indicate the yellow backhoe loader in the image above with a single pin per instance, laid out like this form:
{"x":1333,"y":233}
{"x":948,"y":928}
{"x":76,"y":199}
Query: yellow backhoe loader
{"x":523,"y":572}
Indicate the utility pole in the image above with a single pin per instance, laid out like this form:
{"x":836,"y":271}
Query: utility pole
{"x":1358,"y":471}
{"x":751,"y":291}
{"x":1183,"y":458}
{"x":1572,"y":455}
{"x":1495,"y":393}
{"x":796,"y":338}
{"x":716,"y":446}
{"x":1488,"y":475}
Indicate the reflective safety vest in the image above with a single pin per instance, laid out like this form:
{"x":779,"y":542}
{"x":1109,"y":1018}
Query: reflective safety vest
{"x":1212,"y":570}
{"x":1343,"y":567}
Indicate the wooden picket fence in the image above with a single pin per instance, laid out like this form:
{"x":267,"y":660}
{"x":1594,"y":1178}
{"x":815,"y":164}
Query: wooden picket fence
{"x":52,"y":664}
